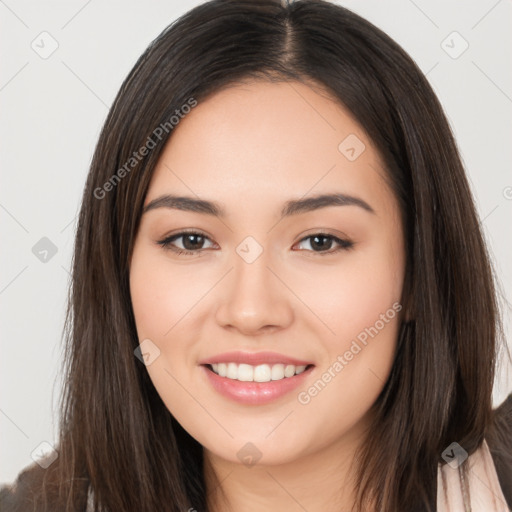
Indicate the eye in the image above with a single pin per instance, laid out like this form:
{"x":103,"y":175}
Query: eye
{"x":192,"y":242}
{"x":322,"y":242}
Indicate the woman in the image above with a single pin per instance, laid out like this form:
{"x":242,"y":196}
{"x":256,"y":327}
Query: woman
{"x":281,"y":296}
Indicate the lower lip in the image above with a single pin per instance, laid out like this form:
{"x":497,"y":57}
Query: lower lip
{"x":255,"y":393}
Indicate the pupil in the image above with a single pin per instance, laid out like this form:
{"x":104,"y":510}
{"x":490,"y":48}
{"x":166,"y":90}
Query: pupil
{"x":190,"y":238}
{"x":320,"y":245}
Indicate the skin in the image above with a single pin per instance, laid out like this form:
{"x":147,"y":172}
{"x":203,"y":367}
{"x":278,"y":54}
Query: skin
{"x":251,"y":148}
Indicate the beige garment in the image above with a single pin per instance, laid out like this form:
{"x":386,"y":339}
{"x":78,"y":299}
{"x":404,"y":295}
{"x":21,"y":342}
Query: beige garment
{"x":480,"y":492}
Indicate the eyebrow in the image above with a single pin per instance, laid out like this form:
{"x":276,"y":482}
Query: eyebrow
{"x":291,"y":207}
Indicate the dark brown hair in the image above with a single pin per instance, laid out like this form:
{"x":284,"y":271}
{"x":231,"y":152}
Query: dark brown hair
{"x":116,"y":434}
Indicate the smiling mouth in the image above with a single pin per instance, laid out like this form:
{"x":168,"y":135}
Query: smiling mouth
{"x":257,"y":373}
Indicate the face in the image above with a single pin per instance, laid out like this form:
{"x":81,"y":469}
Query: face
{"x":271,"y":323}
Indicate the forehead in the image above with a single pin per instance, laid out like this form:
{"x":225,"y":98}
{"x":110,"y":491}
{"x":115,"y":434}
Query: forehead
{"x":268,"y":140}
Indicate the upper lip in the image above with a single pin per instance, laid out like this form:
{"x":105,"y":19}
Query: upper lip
{"x":254,"y":358}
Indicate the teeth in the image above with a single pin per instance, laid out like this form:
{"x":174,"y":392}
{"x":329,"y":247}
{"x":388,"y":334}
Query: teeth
{"x":260,"y":373}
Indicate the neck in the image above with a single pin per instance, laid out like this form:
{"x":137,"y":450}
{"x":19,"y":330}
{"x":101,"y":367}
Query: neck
{"x":320,"y":481}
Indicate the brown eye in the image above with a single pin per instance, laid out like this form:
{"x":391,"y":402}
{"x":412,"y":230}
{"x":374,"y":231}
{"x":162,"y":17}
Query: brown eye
{"x":323,"y":242}
{"x":191,"y":242}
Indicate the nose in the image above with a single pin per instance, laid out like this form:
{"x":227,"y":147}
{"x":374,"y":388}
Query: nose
{"x":253,"y":299}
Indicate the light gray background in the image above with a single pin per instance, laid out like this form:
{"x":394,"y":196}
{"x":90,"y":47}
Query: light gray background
{"x":52,"y":111}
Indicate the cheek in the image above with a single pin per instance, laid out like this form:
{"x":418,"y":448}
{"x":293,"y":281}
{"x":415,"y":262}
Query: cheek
{"x":161,"y":299}
{"x":161,"y":296}
{"x":359,"y":359}
{"x":358,"y":302}
{"x":350,"y":296}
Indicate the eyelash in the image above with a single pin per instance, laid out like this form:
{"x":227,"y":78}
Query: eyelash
{"x":166,"y":243}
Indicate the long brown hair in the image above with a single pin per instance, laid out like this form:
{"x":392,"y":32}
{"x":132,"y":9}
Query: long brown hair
{"x":116,"y":435}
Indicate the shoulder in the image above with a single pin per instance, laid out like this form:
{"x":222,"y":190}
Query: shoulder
{"x":23,"y":494}
{"x":499,"y":440}
{"x":36,"y":490}
{"x":487,"y":482}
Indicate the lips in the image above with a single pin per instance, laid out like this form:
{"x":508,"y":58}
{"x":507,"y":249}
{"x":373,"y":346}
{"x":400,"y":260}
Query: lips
{"x":262,"y":391}
{"x":255,"y":393}
{"x":254,"y":359}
